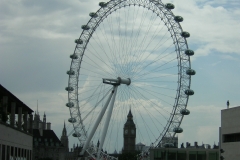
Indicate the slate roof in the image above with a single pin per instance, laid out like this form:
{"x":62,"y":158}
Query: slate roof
{"x":49,"y":138}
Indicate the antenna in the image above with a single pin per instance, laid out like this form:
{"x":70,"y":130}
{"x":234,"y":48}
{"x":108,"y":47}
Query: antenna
{"x":37,"y":107}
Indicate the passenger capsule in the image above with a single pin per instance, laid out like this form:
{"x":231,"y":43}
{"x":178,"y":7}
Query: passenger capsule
{"x":185,"y":34}
{"x":189,"y":52}
{"x":69,"y":88}
{"x":169,"y":6}
{"x":190,"y":72}
{"x":74,"y":56}
{"x":78,"y":41}
{"x":168,"y":145}
{"x":189,"y":92}
{"x":103,"y":4}
{"x":178,"y":130}
{"x":72,"y":120}
{"x":178,"y":18}
{"x":70,"y":72}
{"x":76,"y":134}
{"x":93,"y":15}
{"x":85,"y":27}
{"x":70,"y":104}
{"x":184,"y":111}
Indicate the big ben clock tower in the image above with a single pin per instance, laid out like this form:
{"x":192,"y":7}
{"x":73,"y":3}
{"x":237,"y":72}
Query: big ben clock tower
{"x":129,"y":134}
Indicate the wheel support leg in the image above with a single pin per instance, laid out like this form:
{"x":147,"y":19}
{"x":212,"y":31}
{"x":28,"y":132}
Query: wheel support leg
{"x":97,"y":123}
{"x":109,"y":114}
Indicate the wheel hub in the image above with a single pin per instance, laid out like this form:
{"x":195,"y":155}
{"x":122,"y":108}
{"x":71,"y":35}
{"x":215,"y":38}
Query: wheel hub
{"x":117,"y":82}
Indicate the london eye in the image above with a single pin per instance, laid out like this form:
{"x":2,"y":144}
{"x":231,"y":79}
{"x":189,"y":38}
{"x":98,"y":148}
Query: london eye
{"x":131,"y":54}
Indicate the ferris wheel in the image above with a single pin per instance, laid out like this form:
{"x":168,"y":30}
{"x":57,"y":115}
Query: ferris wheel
{"x":131,"y":55}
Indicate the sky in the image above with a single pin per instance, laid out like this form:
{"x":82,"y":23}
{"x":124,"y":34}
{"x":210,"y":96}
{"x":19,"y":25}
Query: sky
{"x":37,"y":38}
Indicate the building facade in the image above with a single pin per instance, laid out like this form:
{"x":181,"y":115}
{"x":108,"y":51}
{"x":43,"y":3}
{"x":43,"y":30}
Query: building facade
{"x":166,"y":140}
{"x":15,"y":135}
{"x":184,"y":154}
{"x":45,"y":142}
{"x":230,"y":133}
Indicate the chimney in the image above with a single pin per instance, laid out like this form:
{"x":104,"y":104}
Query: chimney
{"x":196,"y":144}
{"x":48,"y":126}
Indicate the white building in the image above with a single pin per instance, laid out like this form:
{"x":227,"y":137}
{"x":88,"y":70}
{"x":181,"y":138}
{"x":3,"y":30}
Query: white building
{"x":15,"y":135}
{"x":230,"y":133}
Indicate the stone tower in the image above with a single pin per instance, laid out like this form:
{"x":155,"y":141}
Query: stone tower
{"x":129,"y":134}
{"x":64,"y":138}
{"x":36,"y":121}
{"x":44,"y":122}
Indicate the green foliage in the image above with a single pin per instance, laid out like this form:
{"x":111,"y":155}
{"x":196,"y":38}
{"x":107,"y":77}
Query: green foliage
{"x":45,"y":159}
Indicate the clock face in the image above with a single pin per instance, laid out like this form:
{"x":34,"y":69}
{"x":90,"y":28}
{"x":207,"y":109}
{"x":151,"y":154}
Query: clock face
{"x":126,"y":131}
{"x":132,"y":131}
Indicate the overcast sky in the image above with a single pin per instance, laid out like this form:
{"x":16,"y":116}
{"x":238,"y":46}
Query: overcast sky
{"x":37,"y":38}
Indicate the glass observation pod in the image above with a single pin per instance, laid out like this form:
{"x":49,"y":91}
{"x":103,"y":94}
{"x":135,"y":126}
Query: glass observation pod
{"x":93,"y":15}
{"x":189,"y":92}
{"x":185,"y":34}
{"x":168,"y":145}
{"x":74,"y":56}
{"x":184,"y":112}
{"x":189,"y":52}
{"x":69,"y":88}
{"x":103,"y":4}
{"x":178,"y":18}
{"x":169,"y":6}
{"x":190,"y":72}
{"x":85,"y":27}
{"x":72,"y":120}
{"x":70,"y":72}
{"x":70,"y":104}
{"x":178,"y":130}
{"x":76,"y":134}
{"x":78,"y":41}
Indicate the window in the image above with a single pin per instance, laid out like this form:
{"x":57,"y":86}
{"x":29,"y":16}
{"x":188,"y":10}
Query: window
{"x":12,"y":150}
{"x":193,"y":155}
{"x":213,"y":156}
{"x":181,"y":155}
{"x":172,"y":155}
{"x":201,"y":155}
{"x":235,"y":137}
{"x":3,"y":152}
{"x":157,"y":154}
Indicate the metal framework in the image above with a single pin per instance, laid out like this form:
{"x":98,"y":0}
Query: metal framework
{"x":184,"y":80}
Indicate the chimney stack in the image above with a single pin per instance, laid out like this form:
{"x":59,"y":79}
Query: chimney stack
{"x":196,"y":144}
{"x":48,"y":126}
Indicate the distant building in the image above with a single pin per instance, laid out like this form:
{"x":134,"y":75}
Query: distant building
{"x":15,"y":135}
{"x":173,"y":140}
{"x":129,"y":134}
{"x":45,"y":142}
{"x":195,"y":152}
{"x":74,"y":153}
{"x":230,"y":132}
{"x":64,"y":138}
{"x":184,"y":154}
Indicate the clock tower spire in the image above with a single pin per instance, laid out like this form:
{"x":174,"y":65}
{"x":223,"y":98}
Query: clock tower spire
{"x":129,"y":134}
